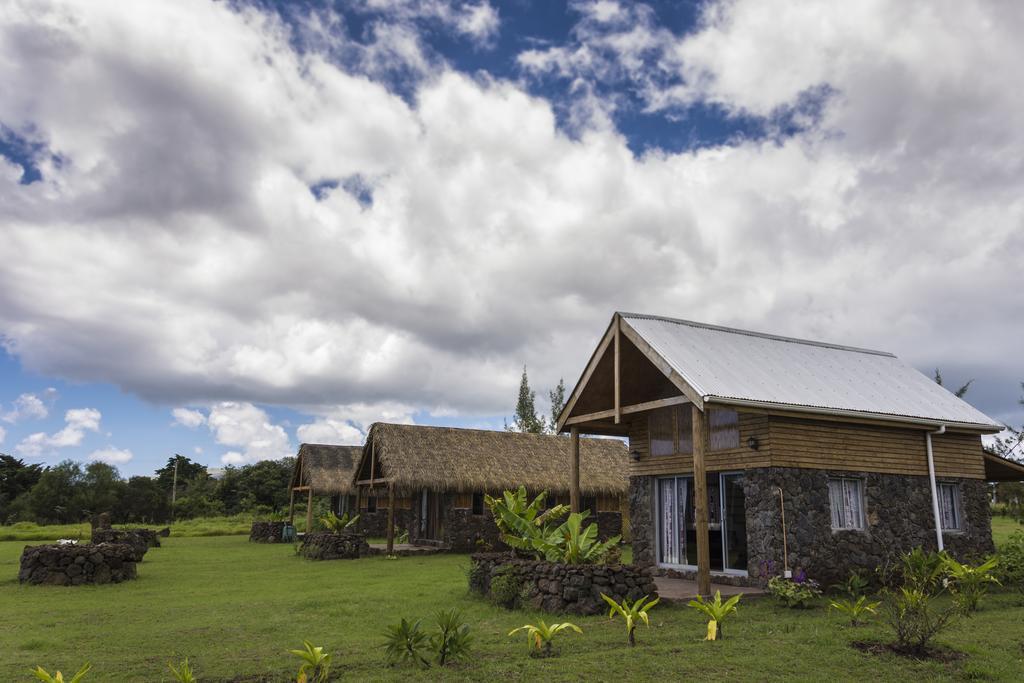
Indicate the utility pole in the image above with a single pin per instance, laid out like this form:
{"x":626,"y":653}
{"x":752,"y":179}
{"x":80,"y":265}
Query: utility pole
{"x":174,"y":487}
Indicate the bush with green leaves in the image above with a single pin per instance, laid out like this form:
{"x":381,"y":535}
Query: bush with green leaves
{"x":855,"y":585}
{"x":407,"y":643}
{"x":632,"y":613}
{"x":506,"y":588}
{"x":798,"y":592}
{"x":859,"y":609}
{"x":1010,"y":571}
{"x":916,"y":618}
{"x":968,"y":583}
{"x":539,"y":636}
{"x":522,"y":521}
{"x":41,"y":674}
{"x":316,"y":664}
{"x":716,"y":612}
{"x":922,"y":570}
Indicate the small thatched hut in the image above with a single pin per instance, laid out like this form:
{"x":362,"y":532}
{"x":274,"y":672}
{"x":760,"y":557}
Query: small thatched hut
{"x":437,"y":477}
{"x":322,"y":470}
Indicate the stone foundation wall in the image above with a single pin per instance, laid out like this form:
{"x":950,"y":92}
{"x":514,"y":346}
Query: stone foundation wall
{"x":139,"y":543}
{"x":73,"y":565}
{"x":898,"y":515}
{"x":558,"y":588}
{"x":608,"y":524}
{"x":327,"y":546}
{"x":266,"y":532}
{"x":375,"y":524}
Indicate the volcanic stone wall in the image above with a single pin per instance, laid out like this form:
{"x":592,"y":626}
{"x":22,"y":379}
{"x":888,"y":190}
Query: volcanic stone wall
{"x":73,"y":565}
{"x":555,"y":587}
{"x":329,"y":546}
{"x":266,"y":532}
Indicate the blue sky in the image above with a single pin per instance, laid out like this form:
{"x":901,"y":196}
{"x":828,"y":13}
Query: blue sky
{"x":229,"y":227}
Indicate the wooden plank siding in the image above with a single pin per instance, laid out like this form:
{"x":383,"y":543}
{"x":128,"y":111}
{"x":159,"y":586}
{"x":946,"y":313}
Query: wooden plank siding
{"x":817,"y":444}
{"x":716,"y":461}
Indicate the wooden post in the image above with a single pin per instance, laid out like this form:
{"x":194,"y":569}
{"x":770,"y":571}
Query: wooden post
{"x":618,"y":393}
{"x":291,"y":508}
{"x":309,"y":511}
{"x":391,"y":518}
{"x":574,"y":469}
{"x":700,"y":493}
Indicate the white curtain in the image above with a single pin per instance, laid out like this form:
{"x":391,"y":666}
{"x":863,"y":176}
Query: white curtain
{"x":669,"y":546}
{"x":835,"y":499}
{"x":683,"y":501}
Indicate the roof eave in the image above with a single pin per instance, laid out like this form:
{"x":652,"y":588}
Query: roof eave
{"x":853,"y":415}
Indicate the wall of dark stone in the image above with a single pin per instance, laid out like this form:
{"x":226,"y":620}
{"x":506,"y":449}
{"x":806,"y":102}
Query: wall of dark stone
{"x":558,"y":588}
{"x":139,"y":542}
{"x":328,"y":546}
{"x":898,"y":512}
{"x":376,"y":523}
{"x":73,"y":565}
{"x":266,"y":532}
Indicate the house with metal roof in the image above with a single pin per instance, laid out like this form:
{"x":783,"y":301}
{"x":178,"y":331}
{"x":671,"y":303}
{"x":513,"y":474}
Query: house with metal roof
{"x":753,"y":454}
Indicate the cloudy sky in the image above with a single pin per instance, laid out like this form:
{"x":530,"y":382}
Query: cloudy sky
{"x":229,"y":227}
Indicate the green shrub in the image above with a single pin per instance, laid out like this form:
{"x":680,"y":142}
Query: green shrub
{"x":335,"y":524}
{"x":799,"y":592}
{"x":716,"y":611}
{"x":631,"y":613}
{"x":921,"y":570}
{"x":1011,"y":562}
{"x":316,"y":664}
{"x":40,"y":673}
{"x":406,"y":643}
{"x":857,"y":609}
{"x":183,"y":672}
{"x":915,"y":619}
{"x":452,"y":641}
{"x":855,"y":585}
{"x":506,"y":588}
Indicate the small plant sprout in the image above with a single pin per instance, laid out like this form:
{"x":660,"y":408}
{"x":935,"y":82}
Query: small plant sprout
{"x":183,"y":672}
{"x":316,"y":664}
{"x":336,"y":524}
{"x":406,"y":644}
{"x":632,"y":613}
{"x":857,"y":609}
{"x":452,"y":641}
{"x":716,"y":611}
{"x":539,"y":636}
{"x":969,"y":584}
{"x":58,"y":677}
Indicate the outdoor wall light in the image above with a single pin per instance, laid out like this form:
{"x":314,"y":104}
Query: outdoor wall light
{"x":753,"y":443}
{"x":635,"y":455}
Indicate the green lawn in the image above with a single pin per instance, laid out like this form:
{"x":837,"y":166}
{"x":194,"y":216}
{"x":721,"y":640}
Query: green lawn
{"x":1003,"y":527}
{"x":234,"y":608}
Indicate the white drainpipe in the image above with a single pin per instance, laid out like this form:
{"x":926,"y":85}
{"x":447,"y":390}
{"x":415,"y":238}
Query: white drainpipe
{"x":931,"y":480}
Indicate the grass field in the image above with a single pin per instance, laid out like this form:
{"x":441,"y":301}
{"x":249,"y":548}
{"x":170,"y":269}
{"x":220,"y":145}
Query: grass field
{"x":234,"y":608}
{"x":1003,"y":528}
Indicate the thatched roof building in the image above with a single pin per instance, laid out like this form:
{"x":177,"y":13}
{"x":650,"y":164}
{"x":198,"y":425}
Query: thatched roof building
{"x":447,"y":459}
{"x":327,"y":470}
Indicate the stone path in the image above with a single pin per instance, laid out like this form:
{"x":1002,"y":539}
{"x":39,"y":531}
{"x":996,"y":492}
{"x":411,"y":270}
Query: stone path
{"x":682,"y":590}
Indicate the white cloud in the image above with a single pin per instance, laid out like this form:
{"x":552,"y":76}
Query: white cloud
{"x":3,"y":434}
{"x":29,"y":407}
{"x":77,"y":422}
{"x":329,"y":431}
{"x":188,"y":418}
{"x":249,"y":429}
{"x":198,"y":265}
{"x":111,"y":455}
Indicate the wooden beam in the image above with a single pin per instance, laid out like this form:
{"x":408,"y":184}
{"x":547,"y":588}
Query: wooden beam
{"x":391,"y":519}
{"x":662,"y":365}
{"x":300,"y":489}
{"x":618,"y":383}
{"x":581,"y":385}
{"x":291,"y":508}
{"x":309,"y":511}
{"x":574,"y":470}
{"x":373,"y":482}
{"x":628,"y":410}
{"x":373,"y":464}
{"x":700,"y":493}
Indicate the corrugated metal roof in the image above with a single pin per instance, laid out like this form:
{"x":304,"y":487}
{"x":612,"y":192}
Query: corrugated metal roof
{"x":728,"y":364}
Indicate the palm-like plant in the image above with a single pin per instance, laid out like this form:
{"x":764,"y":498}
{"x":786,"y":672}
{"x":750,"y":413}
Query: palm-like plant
{"x":406,"y":644}
{"x":183,"y":672}
{"x":716,"y":611}
{"x":523,"y":522}
{"x":452,"y":640}
{"x":969,"y":584}
{"x":631,"y":613}
{"x":570,"y":543}
{"x":316,"y":664}
{"x":58,"y":677}
{"x":539,"y":636}
{"x":858,"y":610}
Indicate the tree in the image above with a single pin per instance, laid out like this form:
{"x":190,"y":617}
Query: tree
{"x":56,"y":497}
{"x":143,"y":501}
{"x":959,"y":393}
{"x":16,"y":478}
{"x":557,"y":396}
{"x":102,"y":489}
{"x":526,"y":418}
{"x":188,"y":473}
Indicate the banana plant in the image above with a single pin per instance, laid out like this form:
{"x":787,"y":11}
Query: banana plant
{"x":524,"y":523}
{"x":857,"y":610}
{"x":316,"y":664}
{"x":183,"y":673}
{"x":631,"y":613}
{"x":58,"y":677}
{"x":539,"y":636}
{"x":572,"y":544}
{"x":716,"y":611}
{"x":336,"y":524}
{"x":969,"y":584}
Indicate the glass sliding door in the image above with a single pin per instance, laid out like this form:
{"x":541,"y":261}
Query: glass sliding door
{"x":727,"y":528}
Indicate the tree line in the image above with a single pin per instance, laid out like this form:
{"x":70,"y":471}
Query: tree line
{"x":71,"y":492}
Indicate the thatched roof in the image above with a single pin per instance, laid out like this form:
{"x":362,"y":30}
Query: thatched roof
{"x":328,"y":469}
{"x":475,"y":460}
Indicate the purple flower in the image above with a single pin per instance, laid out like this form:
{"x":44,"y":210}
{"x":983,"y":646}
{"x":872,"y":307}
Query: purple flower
{"x":799,"y":576}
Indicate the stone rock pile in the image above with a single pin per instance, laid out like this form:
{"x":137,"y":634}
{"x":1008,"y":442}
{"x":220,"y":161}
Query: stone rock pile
{"x":73,"y":565}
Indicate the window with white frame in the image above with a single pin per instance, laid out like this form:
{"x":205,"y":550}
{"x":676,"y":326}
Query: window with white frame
{"x":949,"y":506}
{"x":846,"y":498}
